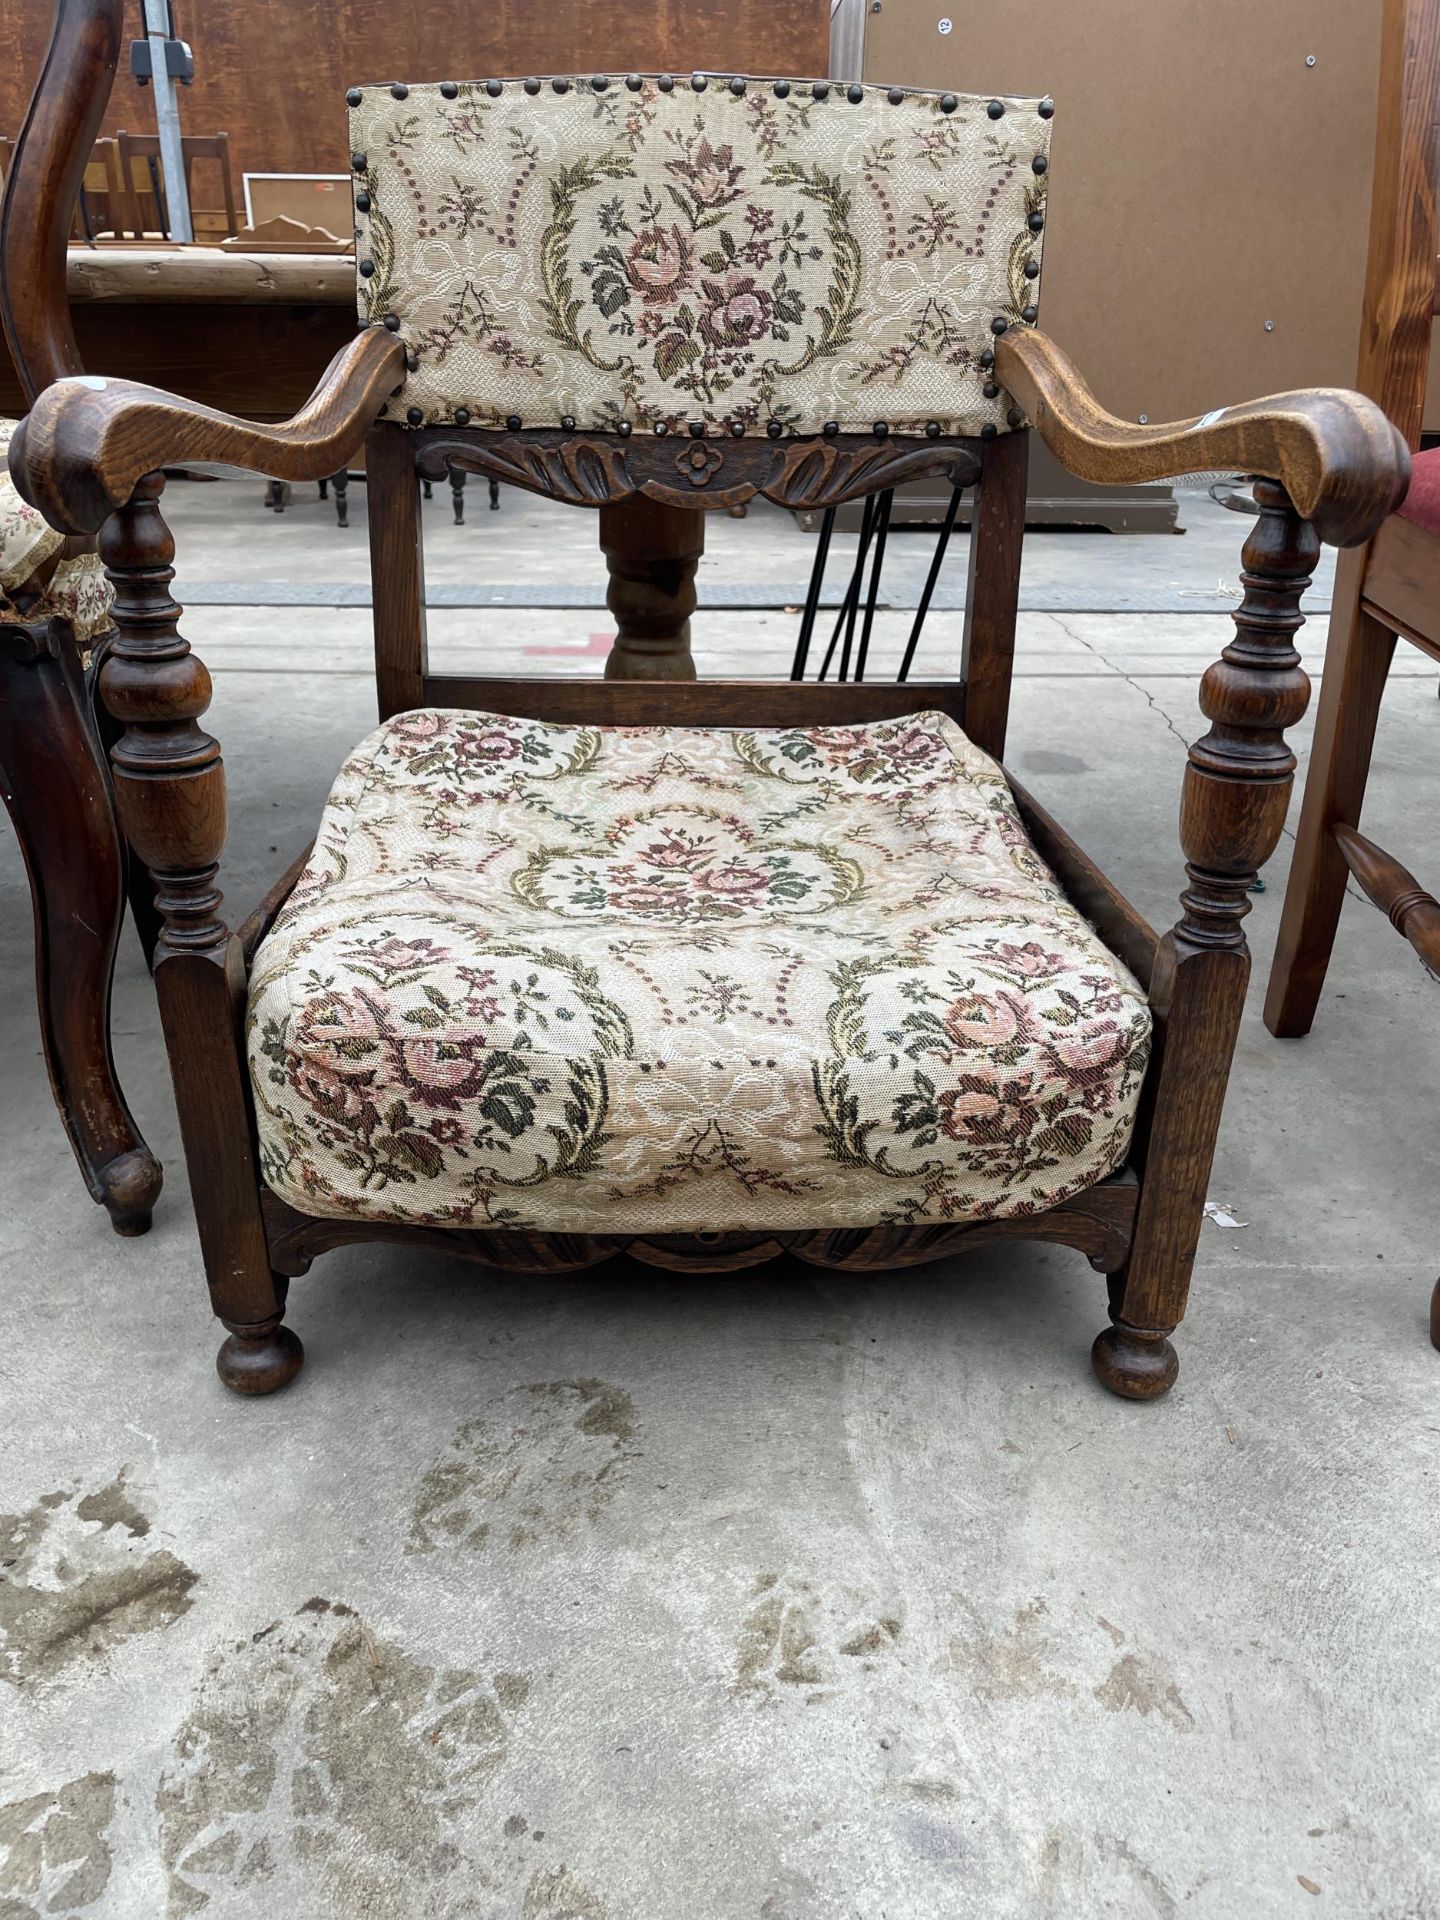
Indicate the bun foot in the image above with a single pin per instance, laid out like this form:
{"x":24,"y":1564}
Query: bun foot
{"x":261,"y":1358}
{"x":1137,"y":1363}
{"x":129,"y":1188}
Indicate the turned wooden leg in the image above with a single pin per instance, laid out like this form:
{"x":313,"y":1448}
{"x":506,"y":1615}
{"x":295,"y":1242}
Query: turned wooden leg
{"x":458,"y":477}
{"x":494,"y":496}
{"x":139,"y":887}
{"x":1232,"y":812}
{"x":170,"y":792}
{"x":652,"y":552}
{"x":1357,"y":662}
{"x":1136,"y":1362}
{"x":341,"y":483}
{"x":260,"y":1356}
{"x":54,"y":786}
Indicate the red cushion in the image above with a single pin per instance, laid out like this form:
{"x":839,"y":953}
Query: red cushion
{"x":1422,"y":503}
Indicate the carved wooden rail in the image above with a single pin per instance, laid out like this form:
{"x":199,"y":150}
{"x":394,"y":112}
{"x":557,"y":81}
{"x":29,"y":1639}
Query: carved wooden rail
{"x":1394,"y":889}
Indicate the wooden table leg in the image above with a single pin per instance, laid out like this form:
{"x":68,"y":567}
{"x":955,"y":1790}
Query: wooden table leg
{"x":652,"y":551}
{"x":54,"y":785}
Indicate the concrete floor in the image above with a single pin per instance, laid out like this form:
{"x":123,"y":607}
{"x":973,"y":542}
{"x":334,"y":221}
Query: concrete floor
{"x":786,"y":1597}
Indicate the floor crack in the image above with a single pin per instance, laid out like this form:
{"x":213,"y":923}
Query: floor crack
{"x":1154,"y":705}
{"x":1116,"y":668}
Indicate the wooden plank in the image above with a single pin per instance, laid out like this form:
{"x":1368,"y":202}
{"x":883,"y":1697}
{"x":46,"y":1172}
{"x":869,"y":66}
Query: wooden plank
{"x":178,"y":275}
{"x":1402,"y":581}
{"x":701,"y":703}
{"x":1400,"y":272}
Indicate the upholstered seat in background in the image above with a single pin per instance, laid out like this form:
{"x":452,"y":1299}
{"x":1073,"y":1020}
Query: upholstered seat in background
{"x":34,"y":585}
{"x":651,"y":979}
{"x":1422,"y":503}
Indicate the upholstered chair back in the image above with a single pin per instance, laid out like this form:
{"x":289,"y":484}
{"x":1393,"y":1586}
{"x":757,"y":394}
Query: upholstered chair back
{"x":755,"y":256}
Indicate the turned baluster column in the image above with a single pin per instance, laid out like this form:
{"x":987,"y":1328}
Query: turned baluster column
{"x":1232,"y":811}
{"x":170,"y":792}
{"x":652,"y":551}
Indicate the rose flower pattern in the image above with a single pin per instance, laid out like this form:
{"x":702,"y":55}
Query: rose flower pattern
{"x":677,"y":980}
{"x":671,"y":256}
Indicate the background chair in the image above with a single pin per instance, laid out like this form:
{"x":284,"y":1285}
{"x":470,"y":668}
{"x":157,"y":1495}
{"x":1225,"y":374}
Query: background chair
{"x":54,"y":621}
{"x":1389,"y":588}
{"x":142,"y":172}
{"x":751,"y":379}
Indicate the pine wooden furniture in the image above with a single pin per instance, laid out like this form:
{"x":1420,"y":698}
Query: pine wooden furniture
{"x":1328,"y":466}
{"x":141,"y":170}
{"x":1389,"y":588}
{"x":105,"y":206}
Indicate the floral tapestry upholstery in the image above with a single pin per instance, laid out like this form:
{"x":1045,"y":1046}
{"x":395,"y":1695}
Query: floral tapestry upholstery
{"x":623,"y":980}
{"x":671,"y":255}
{"x":76,"y":590}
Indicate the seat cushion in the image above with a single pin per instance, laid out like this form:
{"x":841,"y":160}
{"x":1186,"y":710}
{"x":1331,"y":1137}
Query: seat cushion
{"x":625,"y":980}
{"x":1422,"y":502}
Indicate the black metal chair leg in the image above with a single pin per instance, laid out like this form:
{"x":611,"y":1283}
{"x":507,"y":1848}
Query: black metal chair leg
{"x":882,"y":528}
{"x":852,"y":592}
{"x":812,"y":597}
{"x":931,"y":578}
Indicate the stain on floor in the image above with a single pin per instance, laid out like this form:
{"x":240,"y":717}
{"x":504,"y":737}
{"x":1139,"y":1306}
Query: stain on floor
{"x":74,"y":1582}
{"x":1099,"y":1873}
{"x":1014,"y":1663}
{"x":544,"y":1464}
{"x":1145,"y":1684}
{"x":321,"y":1754}
{"x":796,"y":1637}
{"x":54,"y":1854}
{"x":557,"y":1895}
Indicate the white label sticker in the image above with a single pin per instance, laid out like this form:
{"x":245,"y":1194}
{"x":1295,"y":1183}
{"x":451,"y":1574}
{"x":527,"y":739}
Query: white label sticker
{"x":1210,"y":418}
{"x":947,"y":24}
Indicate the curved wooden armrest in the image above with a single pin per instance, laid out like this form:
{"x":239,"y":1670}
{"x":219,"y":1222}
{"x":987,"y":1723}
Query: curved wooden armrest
{"x":1341,"y":462}
{"x":80,"y":450}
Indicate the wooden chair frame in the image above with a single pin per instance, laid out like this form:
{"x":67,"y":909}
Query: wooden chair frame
{"x":1328,"y":466}
{"x":53,"y":768}
{"x":1388,"y":589}
{"x":1391,"y":587}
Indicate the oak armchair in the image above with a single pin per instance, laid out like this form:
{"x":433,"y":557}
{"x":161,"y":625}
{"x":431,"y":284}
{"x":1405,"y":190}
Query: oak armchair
{"x":701,"y":972}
